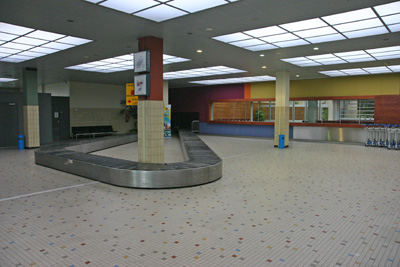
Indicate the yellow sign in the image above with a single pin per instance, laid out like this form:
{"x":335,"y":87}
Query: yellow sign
{"x":131,"y":100}
{"x":130,"y":89}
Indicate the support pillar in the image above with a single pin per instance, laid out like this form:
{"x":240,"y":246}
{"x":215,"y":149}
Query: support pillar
{"x":31,"y":108}
{"x":282,"y":107}
{"x":151,"y":108}
{"x":165,"y":93}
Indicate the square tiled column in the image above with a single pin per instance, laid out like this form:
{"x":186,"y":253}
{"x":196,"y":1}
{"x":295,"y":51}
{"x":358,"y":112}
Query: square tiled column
{"x":31,"y":126}
{"x":282,"y":107}
{"x":151,"y":131}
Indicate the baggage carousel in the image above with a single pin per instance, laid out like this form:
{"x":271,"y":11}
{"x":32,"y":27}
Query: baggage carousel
{"x":201,"y":164}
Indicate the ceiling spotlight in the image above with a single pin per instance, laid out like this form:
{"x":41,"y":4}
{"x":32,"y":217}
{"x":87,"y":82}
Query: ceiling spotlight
{"x":297,"y":76}
{"x":209,"y":29}
{"x":264,"y":67}
{"x":199,"y":51}
{"x":316,"y":48}
{"x":261,"y":55}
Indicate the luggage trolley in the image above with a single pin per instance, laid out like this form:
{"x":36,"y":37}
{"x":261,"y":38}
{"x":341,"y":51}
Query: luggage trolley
{"x":381,"y":138}
{"x":387,"y":133}
{"x":375,"y":130}
{"x":369,"y":129}
{"x":397,"y":138}
{"x":392,"y":137}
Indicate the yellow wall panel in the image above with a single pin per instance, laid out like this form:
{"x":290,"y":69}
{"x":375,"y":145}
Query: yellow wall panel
{"x":263,"y":90}
{"x":386,"y":84}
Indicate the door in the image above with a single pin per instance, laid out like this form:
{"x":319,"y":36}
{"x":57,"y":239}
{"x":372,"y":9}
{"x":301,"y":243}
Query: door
{"x":60,"y":118}
{"x":8,"y":124}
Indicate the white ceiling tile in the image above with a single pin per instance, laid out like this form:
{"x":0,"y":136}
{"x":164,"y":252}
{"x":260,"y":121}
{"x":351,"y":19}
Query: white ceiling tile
{"x":16,"y":46}
{"x":30,"y":41}
{"x":367,"y":32}
{"x":350,"y":16}
{"x":292,"y":43}
{"x":267,"y":31}
{"x":7,"y":36}
{"x":388,"y":9}
{"x":279,"y":38}
{"x":316,"y":32}
{"x":393,"y":19}
{"x":249,"y":42}
{"x":160,"y":13}
{"x":232,"y":37}
{"x":394,"y":27}
{"x":14,"y":29}
{"x":359,"y":25}
{"x":261,"y":47}
{"x":326,"y":38}
{"x":304,"y":25}
{"x":196,"y":5}
{"x":45,"y":35}
{"x":129,"y":6}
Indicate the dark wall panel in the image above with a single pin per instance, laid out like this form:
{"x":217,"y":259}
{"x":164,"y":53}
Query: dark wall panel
{"x":387,"y":109}
{"x":196,"y":99}
{"x":13,"y":97}
{"x":45,"y":121}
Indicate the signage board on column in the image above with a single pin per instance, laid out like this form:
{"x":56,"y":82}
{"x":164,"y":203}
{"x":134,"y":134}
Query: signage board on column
{"x":142,"y":85}
{"x":142,"y":61}
{"x":131,"y":99}
{"x":167,"y":121}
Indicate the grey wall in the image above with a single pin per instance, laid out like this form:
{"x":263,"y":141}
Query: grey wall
{"x":45,"y":122}
{"x":13,"y":97}
{"x":45,"y":119}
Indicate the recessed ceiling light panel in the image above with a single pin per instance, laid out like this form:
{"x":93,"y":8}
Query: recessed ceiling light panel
{"x":362,"y":71}
{"x":353,"y":24}
{"x":388,"y":9}
{"x":200,"y":72}
{"x":347,"y":57}
{"x":6,"y":80}
{"x":119,"y":63}
{"x":265,"y":31}
{"x":21,"y":43}
{"x":357,"y":15}
{"x":236,"y":80}
{"x":160,"y":10}
{"x":304,"y":25}
{"x":128,"y":6}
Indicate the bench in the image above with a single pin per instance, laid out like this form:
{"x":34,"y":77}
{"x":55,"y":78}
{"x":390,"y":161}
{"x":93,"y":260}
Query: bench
{"x":92,"y":131}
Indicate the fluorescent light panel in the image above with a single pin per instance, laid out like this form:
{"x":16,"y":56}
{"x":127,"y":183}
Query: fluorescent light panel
{"x":362,"y":71}
{"x":119,"y":63}
{"x":6,"y":80}
{"x":353,"y":24}
{"x":160,"y":10}
{"x":18,"y":44}
{"x":237,"y":80}
{"x":391,"y":52}
{"x":200,"y":72}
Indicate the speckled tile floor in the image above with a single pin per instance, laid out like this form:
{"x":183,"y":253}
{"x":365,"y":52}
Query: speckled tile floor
{"x":313,"y":204}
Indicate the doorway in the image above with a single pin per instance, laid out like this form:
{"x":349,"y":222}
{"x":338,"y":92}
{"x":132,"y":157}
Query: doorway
{"x":9,"y":121}
{"x":60,"y":118}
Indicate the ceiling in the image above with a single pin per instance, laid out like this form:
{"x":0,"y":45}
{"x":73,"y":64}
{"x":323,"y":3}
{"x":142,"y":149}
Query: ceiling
{"x":116,"y":33}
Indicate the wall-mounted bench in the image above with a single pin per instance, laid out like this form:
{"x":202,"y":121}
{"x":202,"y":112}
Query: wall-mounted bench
{"x":201,"y":164}
{"x":92,"y":131}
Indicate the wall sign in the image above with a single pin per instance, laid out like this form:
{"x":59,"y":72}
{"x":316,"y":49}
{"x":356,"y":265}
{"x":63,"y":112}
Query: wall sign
{"x":142,"y":61}
{"x":131,"y":99}
{"x":142,"y":85}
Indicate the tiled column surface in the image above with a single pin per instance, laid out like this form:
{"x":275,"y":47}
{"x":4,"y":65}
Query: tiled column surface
{"x":31,"y":126}
{"x":282,"y":106}
{"x":31,"y":108}
{"x":151,"y":131}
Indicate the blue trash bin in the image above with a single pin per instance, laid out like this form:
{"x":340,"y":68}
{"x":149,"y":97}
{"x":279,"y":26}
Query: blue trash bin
{"x":281,"y":141}
{"x":21,"y":142}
